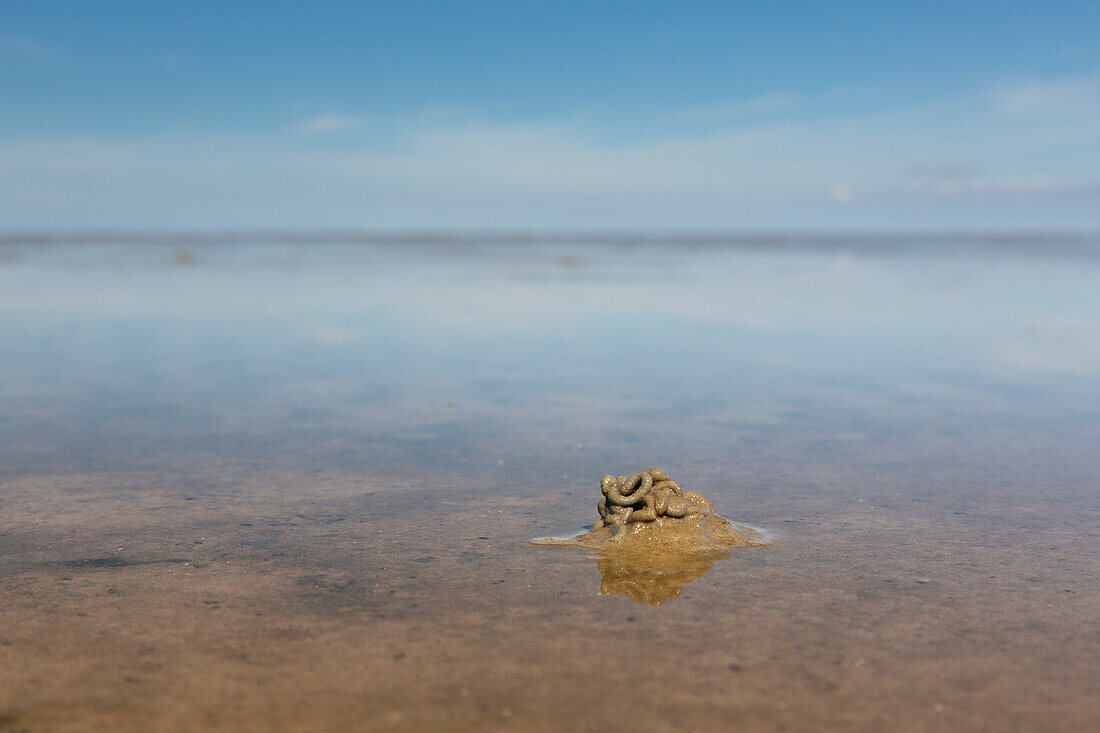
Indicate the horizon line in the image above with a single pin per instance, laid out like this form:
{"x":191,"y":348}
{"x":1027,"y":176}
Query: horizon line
{"x":763,"y":236}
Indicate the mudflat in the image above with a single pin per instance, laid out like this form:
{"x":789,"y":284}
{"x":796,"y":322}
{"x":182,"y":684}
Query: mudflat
{"x":291,"y":487}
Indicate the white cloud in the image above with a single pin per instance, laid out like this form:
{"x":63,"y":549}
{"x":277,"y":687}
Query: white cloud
{"x":1060,"y":98}
{"x":762,"y":105}
{"x":332,"y":336}
{"x":900,"y":167}
{"x":1062,"y":112}
{"x":328,"y":123}
{"x":985,"y":187}
{"x":1073,"y":357}
{"x":841,"y":193}
{"x":956,"y":170}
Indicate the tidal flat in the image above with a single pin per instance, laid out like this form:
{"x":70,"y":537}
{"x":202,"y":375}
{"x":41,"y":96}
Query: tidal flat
{"x":288,"y":483}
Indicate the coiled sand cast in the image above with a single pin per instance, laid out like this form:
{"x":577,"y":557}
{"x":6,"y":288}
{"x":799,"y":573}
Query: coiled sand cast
{"x":653,"y":537}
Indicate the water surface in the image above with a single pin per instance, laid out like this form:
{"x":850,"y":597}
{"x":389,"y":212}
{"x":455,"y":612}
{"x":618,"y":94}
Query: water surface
{"x":272,"y":485}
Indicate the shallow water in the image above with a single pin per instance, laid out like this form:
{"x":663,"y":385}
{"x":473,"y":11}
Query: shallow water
{"x":288,"y":485}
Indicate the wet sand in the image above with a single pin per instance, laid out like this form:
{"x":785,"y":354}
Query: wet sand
{"x":261,"y":491}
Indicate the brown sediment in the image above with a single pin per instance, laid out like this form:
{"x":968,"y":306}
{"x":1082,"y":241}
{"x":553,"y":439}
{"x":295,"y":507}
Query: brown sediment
{"x":654,"y":537}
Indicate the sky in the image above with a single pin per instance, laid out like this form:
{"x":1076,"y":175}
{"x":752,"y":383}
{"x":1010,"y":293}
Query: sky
{"x":550,"y":115}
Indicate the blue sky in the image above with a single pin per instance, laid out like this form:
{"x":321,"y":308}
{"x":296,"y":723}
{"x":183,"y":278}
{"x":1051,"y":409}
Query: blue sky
{"x":550,"y":115}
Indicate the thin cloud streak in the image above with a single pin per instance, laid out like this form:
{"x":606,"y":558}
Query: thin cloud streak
{"x":28,"y":47}
{"x":328,"y":123}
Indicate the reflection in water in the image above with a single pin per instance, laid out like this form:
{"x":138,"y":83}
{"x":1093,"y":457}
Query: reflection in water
{"x":656,"y":578}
